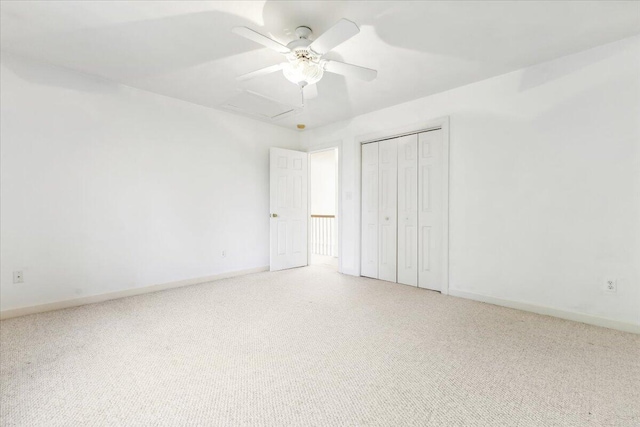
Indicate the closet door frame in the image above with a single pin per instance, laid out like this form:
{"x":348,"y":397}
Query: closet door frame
{"x":433,"y":124}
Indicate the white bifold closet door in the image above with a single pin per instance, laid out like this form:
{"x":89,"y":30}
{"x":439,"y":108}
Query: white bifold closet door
{"x":430,"y":210}
{"x":403,"y":210}
{"x":369,"y":258}
{"x":387,"y":215}
{"x":408,"y":210}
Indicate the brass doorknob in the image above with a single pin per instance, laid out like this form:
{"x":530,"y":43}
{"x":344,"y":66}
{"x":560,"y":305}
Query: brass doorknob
{"x":274,"y":215}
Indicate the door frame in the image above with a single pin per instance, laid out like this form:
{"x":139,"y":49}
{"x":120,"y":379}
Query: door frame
{"x":433,"y":124}
{"x":334,"y":145}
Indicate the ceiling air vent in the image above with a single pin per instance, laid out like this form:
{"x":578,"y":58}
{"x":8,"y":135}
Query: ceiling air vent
{"x":260,"y":106}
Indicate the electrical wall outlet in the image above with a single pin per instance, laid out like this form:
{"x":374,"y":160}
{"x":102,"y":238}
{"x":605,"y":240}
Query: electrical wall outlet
{"x":610,"y":285}
{"x":18,"y":277}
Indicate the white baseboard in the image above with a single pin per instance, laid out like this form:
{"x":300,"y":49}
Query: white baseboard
{"x":23,"y":311}
{"x":550,"y":311}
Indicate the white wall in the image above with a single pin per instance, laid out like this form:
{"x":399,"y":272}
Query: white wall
{"x":544,"y":181}
{"x":107,"y":188}
{"x":322,"y":182}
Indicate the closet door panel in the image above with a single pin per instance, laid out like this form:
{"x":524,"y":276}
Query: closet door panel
{"x":408,"y":210}
{"x":430,"y":210}
{"x":388,"y":197}
{"x":370,"y":208}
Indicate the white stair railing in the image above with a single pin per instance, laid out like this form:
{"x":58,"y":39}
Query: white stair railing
{"x":323,"y":228}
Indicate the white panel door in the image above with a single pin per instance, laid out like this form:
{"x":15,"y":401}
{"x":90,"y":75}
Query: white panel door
{"x":369,"y":242}
{"x":288,"y":204}
{"x":388,"y":202}
{"x":408,"y":210}
{"x":430,"y":210}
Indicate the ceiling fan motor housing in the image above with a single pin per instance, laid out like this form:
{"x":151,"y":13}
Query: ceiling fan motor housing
{"x":303,"y":32}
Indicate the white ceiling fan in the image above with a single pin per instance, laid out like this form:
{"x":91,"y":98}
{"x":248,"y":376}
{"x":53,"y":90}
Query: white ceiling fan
{"x":306,"y":66}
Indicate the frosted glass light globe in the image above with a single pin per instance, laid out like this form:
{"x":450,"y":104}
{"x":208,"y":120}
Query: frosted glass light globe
{"x":303,"y":72}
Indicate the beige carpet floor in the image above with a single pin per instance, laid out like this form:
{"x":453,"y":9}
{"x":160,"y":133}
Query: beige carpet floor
{"x":312,"y":347}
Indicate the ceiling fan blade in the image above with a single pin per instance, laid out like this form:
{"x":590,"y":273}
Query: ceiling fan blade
{"x":310,"y":91}
{"x":350,"y":70}
{"x":259,"y":73}
{"x":334,"y":36}
{"x":259,"y":38}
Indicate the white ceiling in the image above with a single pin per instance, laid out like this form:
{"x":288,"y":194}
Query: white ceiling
{"x":186,"y":49}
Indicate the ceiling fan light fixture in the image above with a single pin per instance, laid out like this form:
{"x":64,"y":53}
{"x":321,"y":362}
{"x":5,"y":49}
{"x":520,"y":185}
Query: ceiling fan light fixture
{"x":306,"y":64}
{"x":303,"y":72}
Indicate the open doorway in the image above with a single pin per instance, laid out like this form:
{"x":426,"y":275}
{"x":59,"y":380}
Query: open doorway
{"x":323,"y":208}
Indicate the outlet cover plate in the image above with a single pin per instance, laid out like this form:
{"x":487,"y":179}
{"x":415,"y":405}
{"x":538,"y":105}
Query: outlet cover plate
{"x":18,"y":277}
{"x":610,"y":285}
